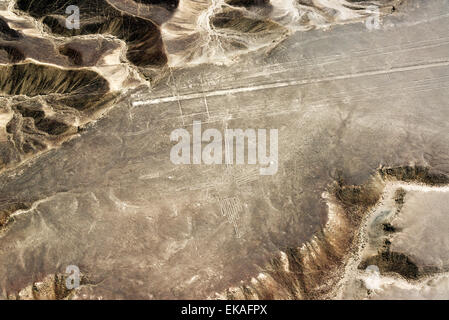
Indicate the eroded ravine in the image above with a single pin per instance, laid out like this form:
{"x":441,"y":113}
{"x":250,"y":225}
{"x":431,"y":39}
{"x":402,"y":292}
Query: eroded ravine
{"x":327,"y":266}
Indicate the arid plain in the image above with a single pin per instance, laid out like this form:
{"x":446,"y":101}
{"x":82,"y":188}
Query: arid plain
{"x":363,"y":158}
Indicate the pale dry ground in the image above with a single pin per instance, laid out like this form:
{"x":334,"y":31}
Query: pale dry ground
{"x":420,"y":225}
{"x":345,"y":101}
{"x":424,"y":229}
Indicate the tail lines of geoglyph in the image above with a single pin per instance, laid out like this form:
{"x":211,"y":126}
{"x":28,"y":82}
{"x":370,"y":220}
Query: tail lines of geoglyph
{"x":231,"y":209}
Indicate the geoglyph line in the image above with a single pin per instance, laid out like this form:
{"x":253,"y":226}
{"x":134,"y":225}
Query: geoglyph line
{"x":287,"y":84}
